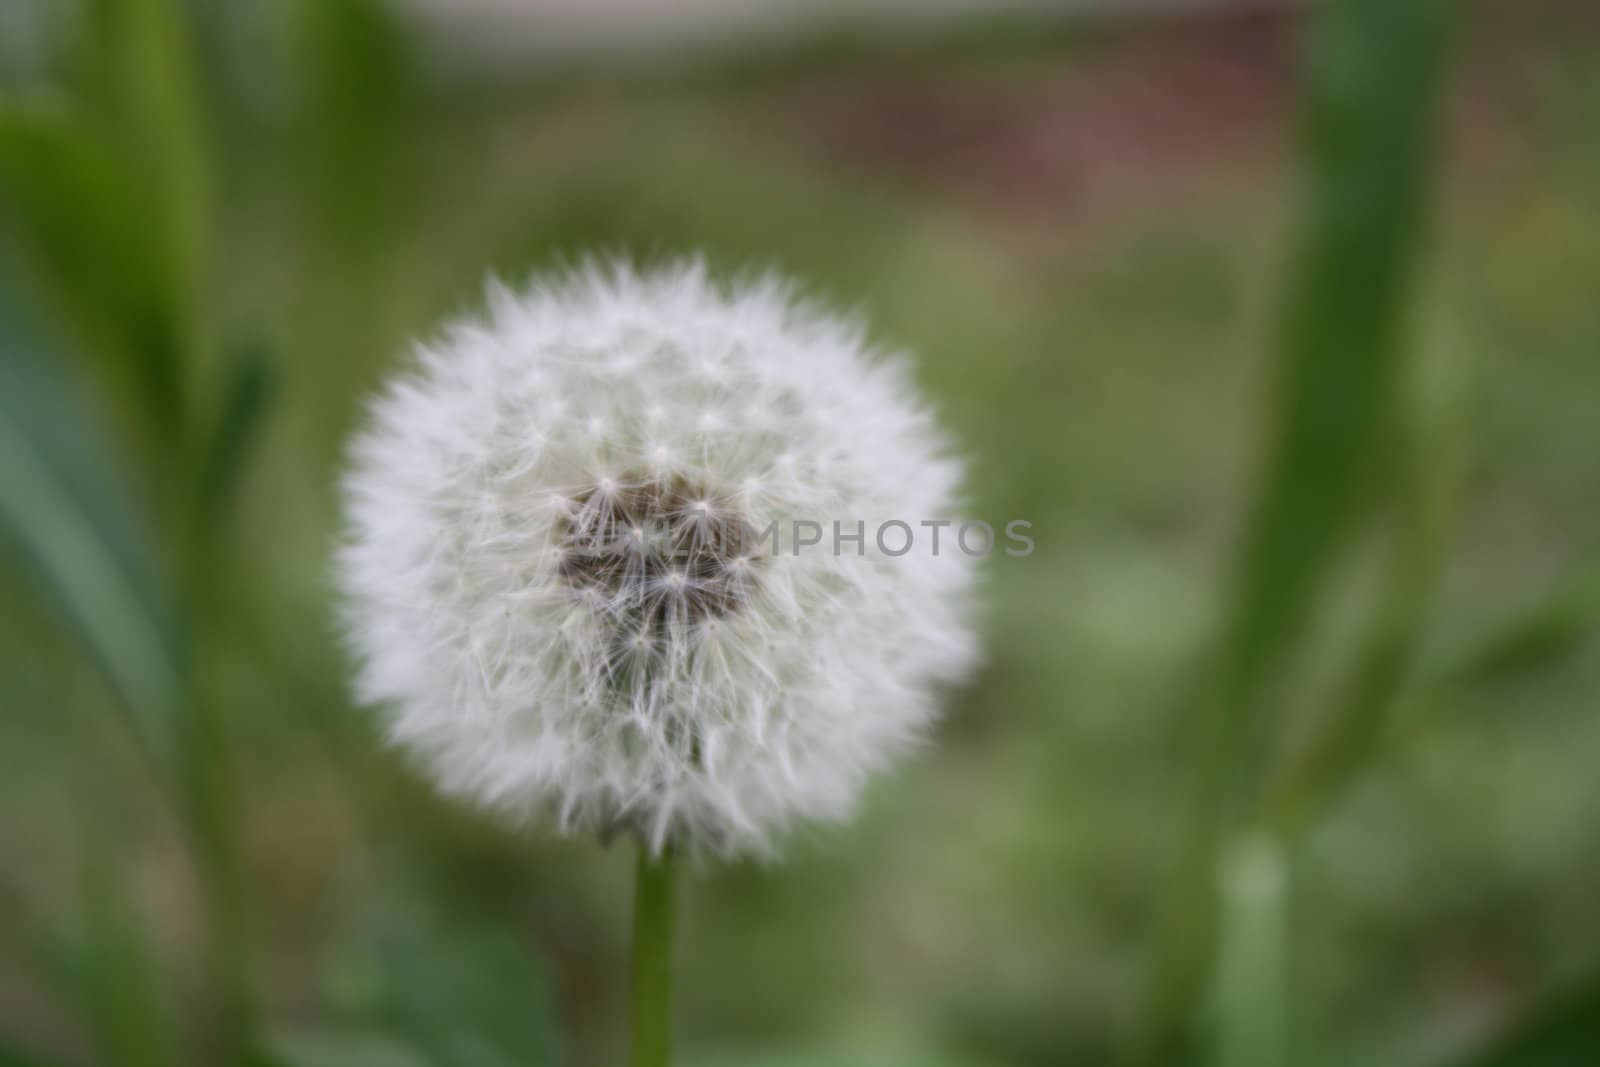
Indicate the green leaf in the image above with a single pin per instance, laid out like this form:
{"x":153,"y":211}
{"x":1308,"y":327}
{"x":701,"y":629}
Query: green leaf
{"x":90,"y":247}
{"x":246,"y":395}
{"x":63,"y":510}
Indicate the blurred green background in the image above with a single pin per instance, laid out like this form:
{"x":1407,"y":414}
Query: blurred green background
{"x":1282,"y":329}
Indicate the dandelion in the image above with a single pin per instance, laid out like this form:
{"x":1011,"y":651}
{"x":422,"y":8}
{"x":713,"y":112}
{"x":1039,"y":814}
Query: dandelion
{"x":571,"y":576}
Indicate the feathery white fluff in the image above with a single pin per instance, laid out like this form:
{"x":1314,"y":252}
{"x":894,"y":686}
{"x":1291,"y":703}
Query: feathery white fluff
{"x":554,"y":581}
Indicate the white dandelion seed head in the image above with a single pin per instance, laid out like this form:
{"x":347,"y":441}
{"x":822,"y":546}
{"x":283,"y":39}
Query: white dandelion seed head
{"x":558,"y":575}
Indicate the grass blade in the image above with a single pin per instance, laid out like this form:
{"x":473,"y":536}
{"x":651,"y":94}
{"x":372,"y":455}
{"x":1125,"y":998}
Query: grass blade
{"x":1431,"y":467}
{"x":1372,"y":79}
{"x":247,"y":393}
{"x":63,"y":510}
{"x":90,"y":250}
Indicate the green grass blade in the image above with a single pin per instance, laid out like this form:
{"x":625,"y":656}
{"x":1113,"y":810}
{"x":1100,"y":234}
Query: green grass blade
{"x":106,"y":187}
{"x":1430,"y":469}
{"x":62,"y":508}
{"x":1370,"y":92}
{"x":1562,"y":623}
{"x":1539,"y":637}
{"x":89,"y":248}
{"x":242,"y":408}
{"x":138,"y":77}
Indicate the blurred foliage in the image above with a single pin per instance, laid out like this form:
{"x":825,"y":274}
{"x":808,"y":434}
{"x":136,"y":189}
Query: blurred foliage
{"x":1372,"y":638}
{"x":1565,"y":1031}
{"x":410,"y":990}
{"x":1373,"y":77}
{"x":73,"y":520}
{"x":118,"y":980}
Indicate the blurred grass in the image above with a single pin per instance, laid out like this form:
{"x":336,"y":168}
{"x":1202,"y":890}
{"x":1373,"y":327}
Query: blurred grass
{"x":68,"y":515}
{"x":1100,"y":351}
{"x":1374,"y":73}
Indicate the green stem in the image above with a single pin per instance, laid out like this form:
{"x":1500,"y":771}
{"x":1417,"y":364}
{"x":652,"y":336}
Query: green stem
{"x":652,"y":959}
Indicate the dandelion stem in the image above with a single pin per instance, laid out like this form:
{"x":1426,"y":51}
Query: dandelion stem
{"x":652,"y":959}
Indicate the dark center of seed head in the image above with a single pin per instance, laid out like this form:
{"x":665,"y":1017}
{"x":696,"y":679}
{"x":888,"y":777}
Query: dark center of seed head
{"x":657,"y":553}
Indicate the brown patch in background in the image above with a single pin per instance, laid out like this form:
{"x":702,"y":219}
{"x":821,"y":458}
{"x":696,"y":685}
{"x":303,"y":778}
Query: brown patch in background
{"x":1146,"y":109}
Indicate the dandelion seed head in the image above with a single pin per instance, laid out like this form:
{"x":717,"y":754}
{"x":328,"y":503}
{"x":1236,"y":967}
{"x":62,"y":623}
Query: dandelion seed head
{"x":558,"y":577}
